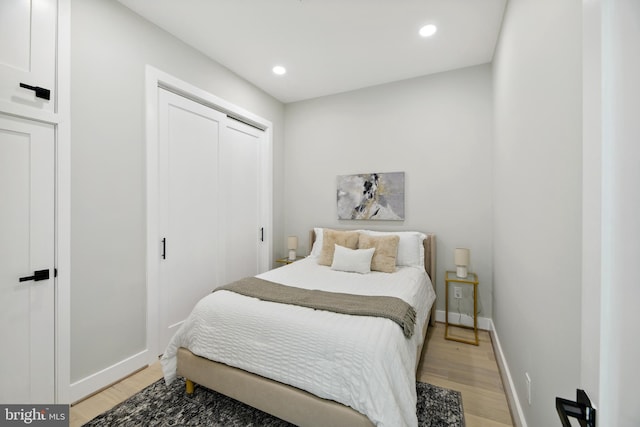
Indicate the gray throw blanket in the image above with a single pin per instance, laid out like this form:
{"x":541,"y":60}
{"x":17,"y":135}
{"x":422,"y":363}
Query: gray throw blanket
{"x":359,"y":305}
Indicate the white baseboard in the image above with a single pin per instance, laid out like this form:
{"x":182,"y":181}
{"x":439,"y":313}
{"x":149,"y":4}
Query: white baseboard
{"x":455,"y":318}
{"x":507,"y":381}
{"x":95,"y":382}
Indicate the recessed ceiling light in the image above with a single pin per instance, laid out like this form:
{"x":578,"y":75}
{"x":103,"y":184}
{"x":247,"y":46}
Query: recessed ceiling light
{"x":279,"y":70}
{"x":428,"y":30}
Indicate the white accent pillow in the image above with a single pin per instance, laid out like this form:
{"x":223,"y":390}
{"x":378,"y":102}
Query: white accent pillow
{"x":352,"y":260}
{"x":317,"y":244}
{"x":410,"y":248}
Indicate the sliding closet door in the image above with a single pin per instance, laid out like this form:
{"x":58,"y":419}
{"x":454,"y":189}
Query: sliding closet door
{"x":211,"y":205}
{"x":189,"y":141}
{"x":241,"y":206}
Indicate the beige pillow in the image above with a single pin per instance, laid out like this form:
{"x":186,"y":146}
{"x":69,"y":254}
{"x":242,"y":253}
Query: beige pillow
{"x":384,"y":258}
{"x":330,"y":238}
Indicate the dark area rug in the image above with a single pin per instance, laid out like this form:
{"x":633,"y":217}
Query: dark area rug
{"x":161,"y":405}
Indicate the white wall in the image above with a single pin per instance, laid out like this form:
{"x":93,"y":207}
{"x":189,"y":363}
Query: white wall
{"x":437,"y":129}
{"x":110,"y":47}
{"x":537,"y":200}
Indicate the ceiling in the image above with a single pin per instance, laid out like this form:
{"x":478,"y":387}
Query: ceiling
{"x":331,"y":46}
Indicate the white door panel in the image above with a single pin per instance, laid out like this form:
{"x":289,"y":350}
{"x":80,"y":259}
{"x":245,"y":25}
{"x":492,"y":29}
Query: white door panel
{"x":26,"y":245}
{"x":189,"y":219}
{"x":27,"y":51}
{"x":240,"y":149}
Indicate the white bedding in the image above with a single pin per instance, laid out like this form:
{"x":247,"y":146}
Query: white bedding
{"x":362,"y":362}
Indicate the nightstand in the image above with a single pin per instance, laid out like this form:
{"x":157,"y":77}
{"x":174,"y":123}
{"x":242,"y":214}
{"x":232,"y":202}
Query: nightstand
{"x":286,"y":260}
{"x":471,"y":279}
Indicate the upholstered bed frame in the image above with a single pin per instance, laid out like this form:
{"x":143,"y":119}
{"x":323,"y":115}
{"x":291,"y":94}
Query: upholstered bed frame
{"x":286,"y":402}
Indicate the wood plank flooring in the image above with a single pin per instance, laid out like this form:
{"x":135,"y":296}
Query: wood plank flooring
{"x":471,"y":370}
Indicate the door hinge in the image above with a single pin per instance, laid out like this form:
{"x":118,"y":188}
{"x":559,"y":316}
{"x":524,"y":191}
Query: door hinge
{"x":164,"y":248}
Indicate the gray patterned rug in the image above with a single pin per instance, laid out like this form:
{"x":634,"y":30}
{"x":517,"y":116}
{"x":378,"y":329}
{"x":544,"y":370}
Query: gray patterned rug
{"x":161,"y":405}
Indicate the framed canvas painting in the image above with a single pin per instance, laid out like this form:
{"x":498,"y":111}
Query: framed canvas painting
{"x":372,"y":196}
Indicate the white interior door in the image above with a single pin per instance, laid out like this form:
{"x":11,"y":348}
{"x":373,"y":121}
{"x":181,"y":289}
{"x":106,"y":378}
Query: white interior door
{"x":189,"y":136}
{"x":26,"y":246}
{"x":241,"y":207}
{"x":27,"y":51}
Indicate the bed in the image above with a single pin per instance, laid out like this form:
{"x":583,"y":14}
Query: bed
{"x":334,"y":369}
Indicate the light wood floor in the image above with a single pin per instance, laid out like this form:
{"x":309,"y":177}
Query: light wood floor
{"x":471,"y":370}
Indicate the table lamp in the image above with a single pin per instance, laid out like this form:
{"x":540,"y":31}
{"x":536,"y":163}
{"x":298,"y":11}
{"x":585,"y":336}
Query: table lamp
{"x":461,"y":257}
{"x":292,"y":245}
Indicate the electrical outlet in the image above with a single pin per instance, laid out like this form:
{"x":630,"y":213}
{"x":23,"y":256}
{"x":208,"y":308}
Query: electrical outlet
{"x":528,"y":379}
{"x":457,"y":292}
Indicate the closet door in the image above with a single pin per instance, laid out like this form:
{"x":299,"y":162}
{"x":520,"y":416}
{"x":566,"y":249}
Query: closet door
{"x":27,"y":52}
{"x":211,"y":208}
{"x":26,"y":261}
{"x":189,"y":138}
{"x":241,"y":205}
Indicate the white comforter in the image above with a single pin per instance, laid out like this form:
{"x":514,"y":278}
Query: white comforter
{"x":362,"y":362}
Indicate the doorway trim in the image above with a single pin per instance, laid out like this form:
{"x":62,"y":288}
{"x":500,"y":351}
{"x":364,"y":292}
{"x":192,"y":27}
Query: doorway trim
{"x":63,"y":208}
{"x":155,"y":78}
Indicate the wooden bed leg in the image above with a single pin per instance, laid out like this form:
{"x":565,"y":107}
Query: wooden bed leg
{"x":190,"y":386}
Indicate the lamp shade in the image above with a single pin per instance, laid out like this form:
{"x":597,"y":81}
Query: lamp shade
{"x":461,"y":256}
{"x":292,"y":242}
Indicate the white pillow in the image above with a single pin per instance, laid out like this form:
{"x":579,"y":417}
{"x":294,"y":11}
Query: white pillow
{"x":352,"y":260}
{"x":410,"y":247}
{"x":317,"y":244}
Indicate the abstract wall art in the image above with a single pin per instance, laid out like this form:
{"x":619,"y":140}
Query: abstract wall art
{"x":373,"y":196}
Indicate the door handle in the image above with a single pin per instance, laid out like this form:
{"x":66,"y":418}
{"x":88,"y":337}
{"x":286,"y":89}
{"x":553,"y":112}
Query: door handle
{"x":40,"y":91}
{"x":37,"y":276}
